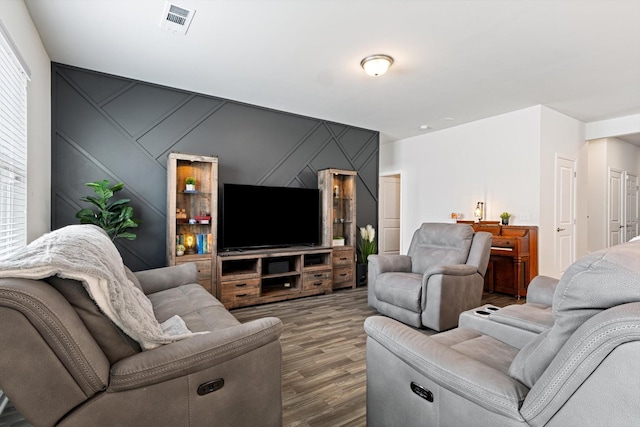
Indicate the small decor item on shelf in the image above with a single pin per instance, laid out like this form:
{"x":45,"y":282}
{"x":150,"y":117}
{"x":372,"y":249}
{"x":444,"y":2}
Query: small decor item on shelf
{"x":190,"y":184}
{"x":181,"y":216}
{"x":505,"y":218}
{"x":367,"y":242}
{"x":113,"y":217}
{"x":203,"y":218}
{"x":179,"y":250}
{"x":336,"y":191}
{"x":338,"y":241}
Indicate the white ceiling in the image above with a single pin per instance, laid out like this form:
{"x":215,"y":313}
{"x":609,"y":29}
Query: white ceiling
{"x":455,"y":61}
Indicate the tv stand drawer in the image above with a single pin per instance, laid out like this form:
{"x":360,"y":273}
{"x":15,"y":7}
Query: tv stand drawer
{"x":240,"y":289}
{"x":317,"y":280}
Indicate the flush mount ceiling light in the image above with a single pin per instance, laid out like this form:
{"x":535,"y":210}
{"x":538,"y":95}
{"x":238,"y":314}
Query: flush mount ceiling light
{"x":376,"y":65}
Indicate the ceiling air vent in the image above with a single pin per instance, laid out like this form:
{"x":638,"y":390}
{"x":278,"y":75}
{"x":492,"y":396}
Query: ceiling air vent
{"x":176,"y":18}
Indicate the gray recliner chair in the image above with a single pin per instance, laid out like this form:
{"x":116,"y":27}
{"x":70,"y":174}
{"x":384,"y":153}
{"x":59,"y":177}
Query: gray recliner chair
{"x":583,"y":371}
{"x":441,"y":276}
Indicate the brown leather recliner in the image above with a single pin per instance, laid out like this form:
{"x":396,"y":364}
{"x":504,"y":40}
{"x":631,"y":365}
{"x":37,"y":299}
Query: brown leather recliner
{"x":64,"y":363}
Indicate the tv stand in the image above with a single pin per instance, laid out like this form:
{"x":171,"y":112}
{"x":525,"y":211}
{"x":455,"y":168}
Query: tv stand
{"x":260,"y":276}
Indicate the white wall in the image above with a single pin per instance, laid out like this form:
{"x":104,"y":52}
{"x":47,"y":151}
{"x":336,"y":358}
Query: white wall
{"x":560,"y":136}
{"x":507,"y":161}
{"x":495,"y":161}
{"x":17,"y":21}
{"x":597,"y":199}
{"x":613,"y":127}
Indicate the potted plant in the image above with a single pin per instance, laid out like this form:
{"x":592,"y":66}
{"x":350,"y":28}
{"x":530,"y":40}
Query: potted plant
{"x":179,"y":250}
{"x":505,"y":218}
{"x":338,"y":241}
{"x":113,"y":217}
{"x":367,"y":242}
{"x":366,"y":247}
{"x":190,"y":184}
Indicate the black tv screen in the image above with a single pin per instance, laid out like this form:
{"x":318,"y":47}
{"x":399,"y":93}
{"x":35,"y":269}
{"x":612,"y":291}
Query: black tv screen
{"x":254,"y":216}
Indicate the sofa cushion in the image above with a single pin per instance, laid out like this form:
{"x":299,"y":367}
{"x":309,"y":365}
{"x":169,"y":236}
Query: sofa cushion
{"x":197,"y":307}
{"x":400,"y":289}
{"x":436,"y":244}
{"x":596,"y":282}
{"x":115,"y":344}
{"x":477,"y":346}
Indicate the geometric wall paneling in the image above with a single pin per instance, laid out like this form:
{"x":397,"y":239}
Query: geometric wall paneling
{"x":82,"y":122}
{"x":98,"y":87}
{"x":139,"y":107}
{"x":163,"y":136}
{"x":110,"y":127}
{"x":353,"y":141}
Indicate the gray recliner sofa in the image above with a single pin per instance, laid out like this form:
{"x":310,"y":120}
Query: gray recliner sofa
{"x":441,"y":276}
{"x":64,"y":363}
{"x":583,"y":371}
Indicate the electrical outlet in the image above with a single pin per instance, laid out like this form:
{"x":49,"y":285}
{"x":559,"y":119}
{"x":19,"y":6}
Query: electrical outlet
{"x":523,"y":216}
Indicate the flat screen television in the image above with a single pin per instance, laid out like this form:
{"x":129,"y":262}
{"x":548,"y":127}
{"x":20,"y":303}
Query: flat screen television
{"x":255,"y":216}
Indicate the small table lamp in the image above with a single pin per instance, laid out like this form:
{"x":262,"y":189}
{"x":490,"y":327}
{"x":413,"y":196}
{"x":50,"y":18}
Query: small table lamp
{"x":189,"y":243}
{"x":479,"y":211}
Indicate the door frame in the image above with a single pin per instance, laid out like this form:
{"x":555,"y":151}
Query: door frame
{"x":573,"y":202}
{"x":625,"y":185}
{"x":621,"y":207}
{"x":381,"y":204}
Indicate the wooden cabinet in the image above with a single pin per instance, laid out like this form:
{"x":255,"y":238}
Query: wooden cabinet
{"x":338,"y":192}
{"x":514,"y":257}
{"x":261,"y":276}
{"x":192,"y":215}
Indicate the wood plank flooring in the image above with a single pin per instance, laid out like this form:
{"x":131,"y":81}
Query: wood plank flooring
{"x":323,"y":344}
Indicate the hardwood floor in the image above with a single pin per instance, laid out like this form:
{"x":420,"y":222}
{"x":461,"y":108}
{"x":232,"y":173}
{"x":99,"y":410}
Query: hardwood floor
{"x":323,"y":344}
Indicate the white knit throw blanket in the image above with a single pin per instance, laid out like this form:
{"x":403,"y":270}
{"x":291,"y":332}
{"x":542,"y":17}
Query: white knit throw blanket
{"x":86,"y":253}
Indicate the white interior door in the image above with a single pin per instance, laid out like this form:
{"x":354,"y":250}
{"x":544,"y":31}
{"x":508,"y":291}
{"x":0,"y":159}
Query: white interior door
{"x":615,"y":210}
{"x":564,"y":214}
{"x":389,"y":214}
{"x":631,"y":206}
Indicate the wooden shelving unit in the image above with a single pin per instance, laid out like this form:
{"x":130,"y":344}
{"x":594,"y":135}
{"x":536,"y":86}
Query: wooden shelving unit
{"x":338,"y":192}
{"x":199,"y":206}
{"x":260,"y":276}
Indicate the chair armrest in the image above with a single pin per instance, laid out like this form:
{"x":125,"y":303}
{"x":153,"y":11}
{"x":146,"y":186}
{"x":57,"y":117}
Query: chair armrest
{"x":388,"y":263}
{"x":541,"y":290}
{"x":450,"y":270}
{"x":193,"y":354}
{"x":458,"y":373}
{"x":160,"y":279}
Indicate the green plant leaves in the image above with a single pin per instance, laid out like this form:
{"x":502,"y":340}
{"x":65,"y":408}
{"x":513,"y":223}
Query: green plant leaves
{"x":113,"y":217}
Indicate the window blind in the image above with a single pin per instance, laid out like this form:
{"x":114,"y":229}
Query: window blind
{"x":13,"y":150}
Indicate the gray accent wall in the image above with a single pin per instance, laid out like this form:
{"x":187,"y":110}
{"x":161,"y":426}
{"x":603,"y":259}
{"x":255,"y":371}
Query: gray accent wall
{"x":110,"y":127}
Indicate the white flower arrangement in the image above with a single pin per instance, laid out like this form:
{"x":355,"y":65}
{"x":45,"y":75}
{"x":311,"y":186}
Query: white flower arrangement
{"x":367,"y":242}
